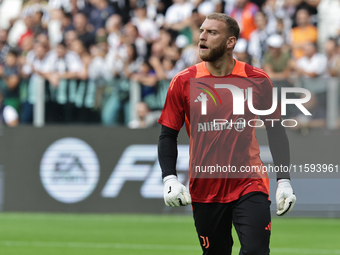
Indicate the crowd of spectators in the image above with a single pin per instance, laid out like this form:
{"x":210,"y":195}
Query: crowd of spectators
{"x":88,"y":53}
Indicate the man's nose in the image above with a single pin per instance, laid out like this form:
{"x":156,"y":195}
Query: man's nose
{"x":203,"y":36}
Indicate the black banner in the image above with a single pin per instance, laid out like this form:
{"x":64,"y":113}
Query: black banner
{"x":99,"y":169}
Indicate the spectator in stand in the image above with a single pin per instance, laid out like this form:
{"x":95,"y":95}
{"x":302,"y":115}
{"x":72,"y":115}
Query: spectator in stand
{"x":114,"y":39}
{"x":98,"y":70}
{"x":113,"y":29}
{"x":312,"y":64}
{"x":177,"y":16}
{"x":147,"y":78}
{"x":100,"y":14}
{"x":9,"y":11}
{"x":257,"y":39}
{"x":147,"y":28}
{"x":131,"y":63}
{"x":277,"y":65}
{"x":33,"y":6}
{"x":131,"y":36}
{"x":85,"y":93}
{"x":271,"y":12}
{"x":190,"y":54}
{"x":207,"y":7}
{"x":23,"y":26}
{"x":29,"y":30}
{"x":4,"y":46}
{"x":66,"y":23}
{"x":167,"y":37}
{"x":55,"y":29}
{"x":59,"y":4}
{"x":117,"y":109}
{"x":61,"y":69}
{"x":78,"y":47}
{"x":9,"y":74}
{"x":37,"y":25}
{"x":43,"y":39}
{"x":70,"y":37}
{"x":244,"y":13}
{"x":146,"y":118}
{"x":81,"y":28}
{"x":79,"y":6}
{"x":169,"y":66}
{"x":304,"y":33}
{"x":241,"y":51}
{"x":328,"y":20}
{"x":26,"y":45}
{"x":62,"y":64}
{"x":124,"y":9}
{"x":281,"y":30}
{"x":276,"y":62}
{"x":34,"y":67}
{"x":310,"y":6}
{"x":8,"y":115}
{"x":333,"y":58}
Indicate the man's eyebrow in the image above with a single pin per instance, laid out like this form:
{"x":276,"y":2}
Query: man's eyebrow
{"x":209,"y":30}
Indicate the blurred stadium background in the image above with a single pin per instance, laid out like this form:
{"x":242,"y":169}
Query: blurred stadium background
{"x":82,"y":84}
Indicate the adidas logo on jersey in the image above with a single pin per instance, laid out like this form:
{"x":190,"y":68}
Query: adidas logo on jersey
{"x":202,"y":97}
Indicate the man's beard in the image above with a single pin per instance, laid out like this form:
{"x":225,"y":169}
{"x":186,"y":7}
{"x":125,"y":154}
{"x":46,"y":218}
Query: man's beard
{"x":214,"y":54}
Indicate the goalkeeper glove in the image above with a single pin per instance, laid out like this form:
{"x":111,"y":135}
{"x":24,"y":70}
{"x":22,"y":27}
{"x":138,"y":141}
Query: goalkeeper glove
{"x":175,"y":193}
{"x":285,"y":198}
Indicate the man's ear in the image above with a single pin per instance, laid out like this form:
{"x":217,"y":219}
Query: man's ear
{"x":231,"y":42}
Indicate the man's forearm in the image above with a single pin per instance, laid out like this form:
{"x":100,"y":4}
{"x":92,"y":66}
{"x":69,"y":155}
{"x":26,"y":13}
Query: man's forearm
{"x":167,"y":151}
{"x":279,"y":148}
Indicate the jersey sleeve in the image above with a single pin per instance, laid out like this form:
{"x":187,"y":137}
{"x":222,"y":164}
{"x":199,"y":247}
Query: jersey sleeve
{"x":266,"y":100}
{"x":173,"y":115}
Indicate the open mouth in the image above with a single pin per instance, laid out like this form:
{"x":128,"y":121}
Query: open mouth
{"x":203,"y":47}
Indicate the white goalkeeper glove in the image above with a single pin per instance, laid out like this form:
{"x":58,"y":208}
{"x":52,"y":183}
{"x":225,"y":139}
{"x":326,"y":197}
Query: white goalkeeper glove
{"x":175,"y":193}
{"x":285,"y":198}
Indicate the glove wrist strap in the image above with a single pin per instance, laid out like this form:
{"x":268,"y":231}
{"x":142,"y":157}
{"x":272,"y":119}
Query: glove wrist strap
{"x":283,"y":181}
{"x":169,"y":177}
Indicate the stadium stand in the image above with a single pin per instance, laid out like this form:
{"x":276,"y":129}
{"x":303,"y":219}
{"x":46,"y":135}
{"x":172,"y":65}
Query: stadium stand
{"x":99,"y":59}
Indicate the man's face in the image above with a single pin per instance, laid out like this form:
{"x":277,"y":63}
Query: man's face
{"x":79,"y":21}
{"x":302,"y":17}
{"x":275,"y":51}
{"x":40,"y":51}
{"x":212,"y":40}
{"x":140,"y":12}
{"x":330,"y":47}
{"x":241,"y":3}
{"x":309,"y":50}
{"x":260,"y":21}
{"x":61,"y":51}
{"x":10,"y":60}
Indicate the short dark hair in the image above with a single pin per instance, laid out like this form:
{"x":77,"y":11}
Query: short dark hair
{"x":232,"y":26}
{"x":13,"y":52}
{"x":62,"y":43}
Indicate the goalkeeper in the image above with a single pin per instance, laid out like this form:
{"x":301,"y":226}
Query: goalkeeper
{"x":220,"y":202}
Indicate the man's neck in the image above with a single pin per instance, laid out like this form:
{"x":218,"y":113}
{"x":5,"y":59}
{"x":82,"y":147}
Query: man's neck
{"x":81,"y":31}
{"x":222,"y":67}
{"x":303,"y":26}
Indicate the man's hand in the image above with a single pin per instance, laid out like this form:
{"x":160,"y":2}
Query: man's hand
{"x":285,"y":198}
{"x":175,"y":193}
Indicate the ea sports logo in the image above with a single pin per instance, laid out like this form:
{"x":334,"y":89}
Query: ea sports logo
{"x":69,"y":170}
